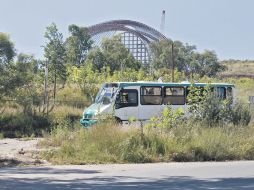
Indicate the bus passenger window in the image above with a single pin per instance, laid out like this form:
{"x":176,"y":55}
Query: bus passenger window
{"x":151,"y":95}
{"x":220,"y":92}
{"x":174,"y":96}
{"x":127,"y":98}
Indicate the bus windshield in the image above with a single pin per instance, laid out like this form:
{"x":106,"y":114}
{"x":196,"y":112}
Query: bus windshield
{"x":105,"y":96}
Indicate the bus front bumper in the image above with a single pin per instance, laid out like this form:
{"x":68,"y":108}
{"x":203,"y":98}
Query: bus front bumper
{"x":87,"y":122}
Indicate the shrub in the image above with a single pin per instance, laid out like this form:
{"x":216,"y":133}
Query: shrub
{"x":20,"y":125}
{"x":169,"y":118}
{"x":240,"y":115}
{"x":214,"y":111}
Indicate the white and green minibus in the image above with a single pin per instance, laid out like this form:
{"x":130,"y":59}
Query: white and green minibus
{"x":143,"y":100}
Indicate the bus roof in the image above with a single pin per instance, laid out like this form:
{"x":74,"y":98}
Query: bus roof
{"x":148,"y":83}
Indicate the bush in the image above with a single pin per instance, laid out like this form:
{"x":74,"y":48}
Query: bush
{"x":240,"y":115}
{"x":102,"y":144}
{"x":213,"y":111}
{"x":20,"y":125}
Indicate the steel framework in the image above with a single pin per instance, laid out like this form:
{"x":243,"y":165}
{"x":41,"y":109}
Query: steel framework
{"x":135,"y":36}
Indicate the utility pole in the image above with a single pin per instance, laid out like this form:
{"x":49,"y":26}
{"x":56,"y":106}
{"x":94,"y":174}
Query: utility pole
{"x":46,"y":86}
{"x":173,"y":64}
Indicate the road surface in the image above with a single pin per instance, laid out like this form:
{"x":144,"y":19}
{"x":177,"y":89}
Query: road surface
{"x":178,"y":176}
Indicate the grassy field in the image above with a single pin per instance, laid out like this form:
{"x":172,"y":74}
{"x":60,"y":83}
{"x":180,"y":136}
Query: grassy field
{"x":66,"y":142}
{"x":109,"y":143}
{"x":239,"y":67}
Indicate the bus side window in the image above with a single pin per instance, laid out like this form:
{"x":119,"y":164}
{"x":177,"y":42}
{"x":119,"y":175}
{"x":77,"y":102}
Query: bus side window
{"x":220,"y":92}
{"x":151,"y":95}
{"x":127,"y":98}
{"x":174,"y":95}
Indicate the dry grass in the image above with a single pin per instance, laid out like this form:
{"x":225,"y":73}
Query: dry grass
{"x":239,"y":67}
{"x":64,"y":111}
{"x":108,"y":143}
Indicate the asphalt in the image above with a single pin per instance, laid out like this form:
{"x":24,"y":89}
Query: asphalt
{"x":177,"y":176}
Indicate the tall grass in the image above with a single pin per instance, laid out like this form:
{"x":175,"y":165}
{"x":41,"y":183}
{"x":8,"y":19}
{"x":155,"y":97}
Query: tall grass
{"x":14,"y":123}
{"x":109,"y":143}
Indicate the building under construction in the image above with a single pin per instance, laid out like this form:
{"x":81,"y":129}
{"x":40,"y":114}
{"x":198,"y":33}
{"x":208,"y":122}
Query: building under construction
{"x":135,"y":36}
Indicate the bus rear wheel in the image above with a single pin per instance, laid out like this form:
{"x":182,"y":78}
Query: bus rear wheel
{"x":118,"y":120}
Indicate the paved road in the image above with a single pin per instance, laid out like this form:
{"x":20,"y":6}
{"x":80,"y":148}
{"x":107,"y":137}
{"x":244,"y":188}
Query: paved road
{"x":184,"y":176}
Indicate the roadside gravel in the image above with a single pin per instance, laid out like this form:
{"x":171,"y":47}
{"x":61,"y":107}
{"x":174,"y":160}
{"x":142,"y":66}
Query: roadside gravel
{"x":19,"y":152}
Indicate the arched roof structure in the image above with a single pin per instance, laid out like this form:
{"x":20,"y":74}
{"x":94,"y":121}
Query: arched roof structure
{"x":135,"y":36}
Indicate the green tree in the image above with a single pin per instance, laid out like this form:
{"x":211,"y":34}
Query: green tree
{"x":26,"y":93}
{"x":55,"y":53}
{"x":207,"y":63}
{"x":77,"y":45}
{"x":163,"y":57}
{"x":88,"y":80}
{"x":186,"y":59}
{"x":114,"y":55}
{"x":9,"y":79}
{"x":161,"y":54}
{"x":98,"y":59}
{"x":7,"y":51}
{"x":17,"y":81}
{"x":183,"y":56}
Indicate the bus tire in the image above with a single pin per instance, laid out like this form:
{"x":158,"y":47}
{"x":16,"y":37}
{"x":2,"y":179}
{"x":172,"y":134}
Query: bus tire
{"x":118,"y":120}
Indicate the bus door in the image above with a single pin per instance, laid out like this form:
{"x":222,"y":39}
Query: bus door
{"x":126,"y":106}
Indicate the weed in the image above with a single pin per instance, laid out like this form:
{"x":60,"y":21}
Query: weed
{"x":109,"y":143}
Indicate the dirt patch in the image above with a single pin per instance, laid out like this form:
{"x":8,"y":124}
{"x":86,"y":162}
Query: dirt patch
{"x":15,"y":152}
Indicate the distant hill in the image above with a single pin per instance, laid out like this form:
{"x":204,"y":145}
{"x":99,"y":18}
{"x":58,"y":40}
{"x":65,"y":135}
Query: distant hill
{"x":239,"y":67}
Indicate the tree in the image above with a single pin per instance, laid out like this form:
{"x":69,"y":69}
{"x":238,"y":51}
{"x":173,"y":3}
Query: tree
{"x":162,"y":54}
{"x":88,"y":80}
{"x":208,"y":64}
{"x":183,"y":56}
{"x":7,"y":51}
{"x":186,"y":59}
{"x":8,"y":78}
{"x":55,"y":53}
{"x":77,"y":45}
{"x":18,"y":81}
{"x":98,"y":59}
{"x":114,"y":55}
{"x":26,"y":93}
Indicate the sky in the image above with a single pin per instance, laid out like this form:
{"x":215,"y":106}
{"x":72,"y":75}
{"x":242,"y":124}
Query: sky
{"x":225,"y":26}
